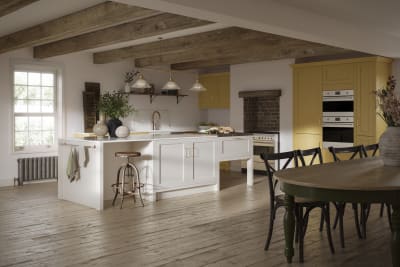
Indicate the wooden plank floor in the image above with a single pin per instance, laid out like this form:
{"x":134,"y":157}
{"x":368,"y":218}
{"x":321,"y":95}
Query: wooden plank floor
{"x":209,"y":229}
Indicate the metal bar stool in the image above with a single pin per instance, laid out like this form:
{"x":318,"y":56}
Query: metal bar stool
{"x":130,"y":171}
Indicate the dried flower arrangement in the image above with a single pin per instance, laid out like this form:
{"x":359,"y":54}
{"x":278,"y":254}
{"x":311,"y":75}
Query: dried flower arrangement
{"x":389,"y":103}
{"x":130,"y":76}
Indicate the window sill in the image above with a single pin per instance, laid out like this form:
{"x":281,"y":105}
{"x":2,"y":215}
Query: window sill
{"x":32,"y":152}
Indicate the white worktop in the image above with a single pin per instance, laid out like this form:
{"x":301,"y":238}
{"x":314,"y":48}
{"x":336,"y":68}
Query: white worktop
{"x":142,"y":137}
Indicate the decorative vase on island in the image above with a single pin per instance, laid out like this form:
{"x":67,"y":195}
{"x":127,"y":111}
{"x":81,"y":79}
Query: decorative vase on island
{"x":112,"y":125}
{"x":122,"y":132}
{"x":100,"y":129}
{"x":389,"y":146}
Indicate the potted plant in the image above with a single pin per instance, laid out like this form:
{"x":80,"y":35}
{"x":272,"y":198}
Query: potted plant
{"x":115,"y":106}
{"x":389,"y":142}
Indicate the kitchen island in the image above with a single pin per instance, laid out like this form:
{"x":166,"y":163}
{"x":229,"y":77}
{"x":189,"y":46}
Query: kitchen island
{"x":170,"y":165}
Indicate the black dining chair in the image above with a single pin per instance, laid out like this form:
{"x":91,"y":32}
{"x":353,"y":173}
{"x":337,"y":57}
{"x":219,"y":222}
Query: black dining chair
{"x":340,"y":154}
{"x":371,"y":151}
{"x":277,"y":200}
{"x":312,"y":155}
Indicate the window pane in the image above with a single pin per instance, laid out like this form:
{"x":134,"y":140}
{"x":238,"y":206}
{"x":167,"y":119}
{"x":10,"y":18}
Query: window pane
{"x":48,"y":79}
{"x":33,"y":105}
{"x":20,"y":77}
{"x":20,"y":106}
{"x":21,"y":138}
{"x":33,"y":78}
{"x":21,"y":123}
{"x":47,"y":106}
{"x":48,"y":123}
{"x":35,"y":123}
{"x":48,"y":93}
{"x":20,"y":92}
{"x":48,"y":138}
{"x":35,"y":138}
{"x":34,"y":92}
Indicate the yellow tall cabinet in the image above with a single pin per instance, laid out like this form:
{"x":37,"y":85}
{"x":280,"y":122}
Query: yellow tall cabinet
{"x":363,"y":75}
{"x":217,"y":95}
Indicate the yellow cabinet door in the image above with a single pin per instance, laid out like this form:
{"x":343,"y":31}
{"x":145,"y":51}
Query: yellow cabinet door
{"x":218,"y":91}
{"x":307,"y":100}
{"x":364,"y":101}
{"x":306,"y":141}
{"x":338,"y":76}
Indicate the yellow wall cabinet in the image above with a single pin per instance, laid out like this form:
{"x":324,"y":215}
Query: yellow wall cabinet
{"x":217,"y":95}
{"x":363,"y":75}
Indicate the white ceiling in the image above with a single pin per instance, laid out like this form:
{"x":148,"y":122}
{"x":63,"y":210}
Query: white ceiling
{"x":369,"y":26}
{"x":41,"y":11}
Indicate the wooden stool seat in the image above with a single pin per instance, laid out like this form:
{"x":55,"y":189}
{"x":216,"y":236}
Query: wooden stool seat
{"x":127,"y":154}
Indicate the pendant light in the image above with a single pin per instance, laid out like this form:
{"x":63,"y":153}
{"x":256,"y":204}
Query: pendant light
{"x":198,"y":87}
{"x":171,"y":84}
{"x":140,"y":83}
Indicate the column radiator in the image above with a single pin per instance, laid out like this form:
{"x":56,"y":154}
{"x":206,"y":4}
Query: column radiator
{"x":34,"y":169}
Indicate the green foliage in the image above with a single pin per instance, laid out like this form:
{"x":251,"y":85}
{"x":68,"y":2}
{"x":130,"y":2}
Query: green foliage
{"x":115,"y":105}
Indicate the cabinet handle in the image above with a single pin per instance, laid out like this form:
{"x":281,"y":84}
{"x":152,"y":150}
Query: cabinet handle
{"x":188,"y":152}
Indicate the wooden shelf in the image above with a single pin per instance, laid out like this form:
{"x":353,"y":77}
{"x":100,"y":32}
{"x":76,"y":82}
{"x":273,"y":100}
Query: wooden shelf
{"x":154,"y":95}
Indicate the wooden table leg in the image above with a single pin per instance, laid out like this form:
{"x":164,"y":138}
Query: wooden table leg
{"x":289,"y":221}
{"x":396,"y":236}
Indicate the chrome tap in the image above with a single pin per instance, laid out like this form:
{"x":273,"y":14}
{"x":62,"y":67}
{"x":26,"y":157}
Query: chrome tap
{"x":156,"y":123}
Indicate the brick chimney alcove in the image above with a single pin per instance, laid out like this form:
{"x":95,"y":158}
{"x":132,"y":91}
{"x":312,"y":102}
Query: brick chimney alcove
{"x":261,"y":110}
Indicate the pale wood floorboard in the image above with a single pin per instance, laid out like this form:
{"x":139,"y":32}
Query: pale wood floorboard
{"x":209,"y":229}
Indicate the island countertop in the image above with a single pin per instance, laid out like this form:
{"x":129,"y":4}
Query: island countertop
{"x":147,"y":137}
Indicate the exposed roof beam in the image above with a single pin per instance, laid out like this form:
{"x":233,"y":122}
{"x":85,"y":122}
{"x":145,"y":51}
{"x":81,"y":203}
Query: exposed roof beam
{"x":93,"y":18}
{"x":9,"y":6}
{"x":155,"y":25}
{"x":250,"y":55}
{"x":251,"y":50}
{"x":189,"y":43}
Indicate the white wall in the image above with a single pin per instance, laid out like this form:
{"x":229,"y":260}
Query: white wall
{"x":263,"y":76}
{"x":77,"y":69}
{"x":396,"y":71}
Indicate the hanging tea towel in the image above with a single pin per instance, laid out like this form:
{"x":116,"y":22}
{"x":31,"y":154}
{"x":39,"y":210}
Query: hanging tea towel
{"x":73,"y":166}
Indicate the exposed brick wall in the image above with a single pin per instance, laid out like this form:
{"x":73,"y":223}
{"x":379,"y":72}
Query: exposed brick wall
{"x":261,"y":114}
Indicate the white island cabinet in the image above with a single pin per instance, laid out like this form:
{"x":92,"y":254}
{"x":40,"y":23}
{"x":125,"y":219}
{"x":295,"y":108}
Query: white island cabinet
{"x":182,"y":164}
{"x":170,"y":165}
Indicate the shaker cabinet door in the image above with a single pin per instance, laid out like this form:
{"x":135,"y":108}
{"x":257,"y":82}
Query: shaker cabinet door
{"x":204,"y":162}
{"x":174,"y":168}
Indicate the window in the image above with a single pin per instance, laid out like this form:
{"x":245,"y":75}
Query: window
{"x":34,"y":110}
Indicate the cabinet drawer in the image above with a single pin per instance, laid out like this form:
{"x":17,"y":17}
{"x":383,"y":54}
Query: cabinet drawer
{"x":233,"y":149}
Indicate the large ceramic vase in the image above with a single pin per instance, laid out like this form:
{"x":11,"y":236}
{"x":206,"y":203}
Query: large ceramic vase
{"x":389,"y":146}
{"x":112,"y":125}
{"x":100,"y":129}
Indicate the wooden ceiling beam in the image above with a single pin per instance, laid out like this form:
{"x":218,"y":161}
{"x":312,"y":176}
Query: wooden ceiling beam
{"x":255,"y":50}
{"x":9,"y":6}
{"x":188,"y":43}
{"x":97,"y":17}
{"x":155,"y":25}
{"x":272,"y":54}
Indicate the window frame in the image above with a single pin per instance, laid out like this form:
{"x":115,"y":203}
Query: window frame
{"x":38,"y":68}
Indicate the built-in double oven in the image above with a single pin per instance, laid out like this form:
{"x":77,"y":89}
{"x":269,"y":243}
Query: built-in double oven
{"x":338,"y":118}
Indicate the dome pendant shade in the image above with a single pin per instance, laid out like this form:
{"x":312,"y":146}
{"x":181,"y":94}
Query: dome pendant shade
{"x":171,"y":84}
{"x":140,"y":83}
{"x":198,"y":87}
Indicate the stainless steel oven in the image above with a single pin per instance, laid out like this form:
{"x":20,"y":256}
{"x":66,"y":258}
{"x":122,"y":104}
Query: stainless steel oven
{"x":338,"y":118}
{"x":338,"y":131}
{"x":263,"y":143}
{"x":338,"y":103}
